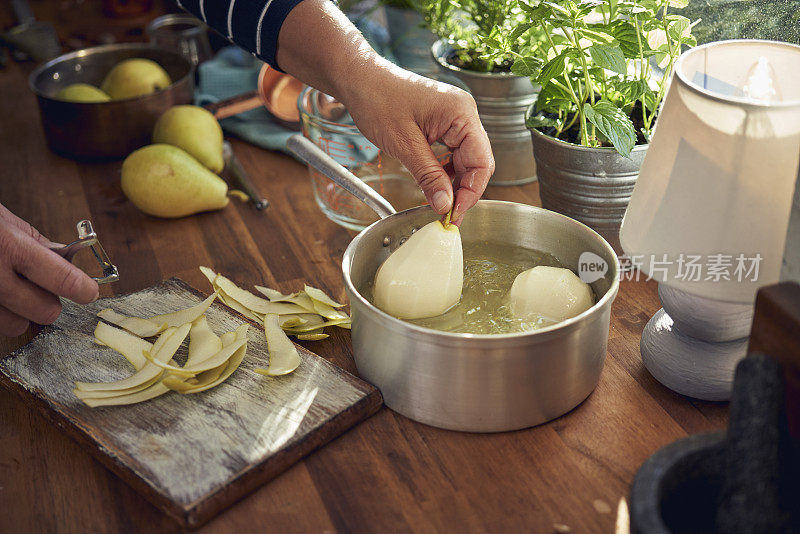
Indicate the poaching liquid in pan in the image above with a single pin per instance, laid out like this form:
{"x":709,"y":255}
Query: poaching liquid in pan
{"x":489,"y":272}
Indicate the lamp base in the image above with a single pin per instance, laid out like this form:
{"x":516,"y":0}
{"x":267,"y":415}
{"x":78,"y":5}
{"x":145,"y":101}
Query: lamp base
{"x":687,"y":365}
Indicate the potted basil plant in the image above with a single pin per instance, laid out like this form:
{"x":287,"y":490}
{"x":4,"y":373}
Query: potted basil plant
{"x":479,"y":46}
{"x":608,"y":64}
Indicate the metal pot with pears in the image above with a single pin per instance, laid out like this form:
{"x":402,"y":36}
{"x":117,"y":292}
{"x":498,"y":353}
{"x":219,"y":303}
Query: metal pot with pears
{"x":477,"y":382}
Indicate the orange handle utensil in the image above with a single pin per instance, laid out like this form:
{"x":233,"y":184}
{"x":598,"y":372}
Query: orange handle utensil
{"x":276,"y":91}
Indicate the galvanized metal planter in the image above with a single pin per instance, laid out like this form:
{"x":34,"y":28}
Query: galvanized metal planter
{"x":591,"y":185}
{"x":502,"y":99}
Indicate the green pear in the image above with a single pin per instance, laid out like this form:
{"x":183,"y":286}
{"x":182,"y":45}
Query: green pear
{"x":195,"y":130}
{"x":82,"y":92}
{"x":164,"y":181}
{"x":135,"y":77}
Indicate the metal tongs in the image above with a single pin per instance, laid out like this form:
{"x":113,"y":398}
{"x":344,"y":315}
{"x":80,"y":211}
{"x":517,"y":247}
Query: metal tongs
{"x":87,"y":238}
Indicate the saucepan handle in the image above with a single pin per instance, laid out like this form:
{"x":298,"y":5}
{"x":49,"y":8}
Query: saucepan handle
{"x":307,"y":151}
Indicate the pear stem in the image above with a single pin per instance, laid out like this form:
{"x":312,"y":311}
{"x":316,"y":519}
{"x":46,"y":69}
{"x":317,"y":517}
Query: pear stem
{"x":446,"y":221}
{"x":241,"y":195}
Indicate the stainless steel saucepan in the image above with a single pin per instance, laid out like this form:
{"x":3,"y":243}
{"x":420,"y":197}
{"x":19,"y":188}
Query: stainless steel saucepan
{"x":468,"y":382}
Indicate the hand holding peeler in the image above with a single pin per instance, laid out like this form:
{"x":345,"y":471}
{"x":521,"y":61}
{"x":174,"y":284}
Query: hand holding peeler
{"x":88,"y":238}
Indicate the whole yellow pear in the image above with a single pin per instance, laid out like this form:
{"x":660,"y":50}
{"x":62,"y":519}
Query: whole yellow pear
{"x":135,"y":77}
{"x":82,"y":92}
{"x":195,"y":130}
{"x":165,"y":181}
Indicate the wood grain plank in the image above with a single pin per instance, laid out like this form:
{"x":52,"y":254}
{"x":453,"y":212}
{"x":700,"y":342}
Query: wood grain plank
{"x":120,"y":227}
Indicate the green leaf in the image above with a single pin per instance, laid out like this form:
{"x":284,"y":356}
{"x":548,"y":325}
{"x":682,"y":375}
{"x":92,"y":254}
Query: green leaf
{"x":494,"y":43}
{"x":557,"y":8}
{"x":553,"y":68}
{"x":677,"y":26}
{"x":609,"y":57}
{"x":613,"y":123}
{"x":540,"y":121}
{"x":587,"y":6}
{"x":553,"y":98}
{"x":526,"y":66}
{"x":597,"y":36}
{"x":633,"y":90}
{"x":526,"y":7}
{"x":535,"y":13}
{"x":519,"y":30}
{"x":625,"y":34}
{"x":649,"y":5}
{"x":650,"y":101}
{"x":679,"y":4}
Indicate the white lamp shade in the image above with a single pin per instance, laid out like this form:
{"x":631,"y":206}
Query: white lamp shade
{"x":716,"y":187}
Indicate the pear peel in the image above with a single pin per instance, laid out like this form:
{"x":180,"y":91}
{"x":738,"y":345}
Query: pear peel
{"x":212,"y":359}
{"x":133,"y":394}
{"x":216,"y":376}
{"x":311,"y":306}
{"x":156,"y":324}
{"x":203,"y":342}
{"x":320,"y":296}
{"x":187,"y":315}
{"x":215,"y":361}
{"x":283,"y":355}
{"x":130,"y":346}
{"x":151,"y":392}
{"x":107,"y":394}
{"x":424,"y":276}
{"x":134,"y":325}
{"x":274,"y":295}
{"x":311,"y":337}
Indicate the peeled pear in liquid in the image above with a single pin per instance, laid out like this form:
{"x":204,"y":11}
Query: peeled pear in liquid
{"x":424,"y":277}
{"x":552,"y":292}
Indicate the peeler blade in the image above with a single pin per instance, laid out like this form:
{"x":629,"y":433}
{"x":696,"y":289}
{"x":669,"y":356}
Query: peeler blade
{"x":87,"y":238}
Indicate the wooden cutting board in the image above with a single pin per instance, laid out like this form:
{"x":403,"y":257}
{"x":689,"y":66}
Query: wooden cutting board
{"x":190,"y":455}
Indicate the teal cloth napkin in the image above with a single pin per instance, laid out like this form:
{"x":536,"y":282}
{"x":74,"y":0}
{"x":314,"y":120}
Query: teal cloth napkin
{"x":233,"y":72}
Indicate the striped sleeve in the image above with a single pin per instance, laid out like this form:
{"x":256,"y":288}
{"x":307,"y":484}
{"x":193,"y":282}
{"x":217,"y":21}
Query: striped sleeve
{"x":252,"y":24}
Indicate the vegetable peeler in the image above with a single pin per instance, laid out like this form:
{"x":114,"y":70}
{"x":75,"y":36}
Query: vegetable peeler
{"x":88,"y":238}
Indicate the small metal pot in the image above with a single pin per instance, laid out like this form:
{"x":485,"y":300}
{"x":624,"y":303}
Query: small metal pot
{"x":591,"y":185}
{"x":477,"y":383}
{"x":502,"y":99}
{"x":105,"y":130}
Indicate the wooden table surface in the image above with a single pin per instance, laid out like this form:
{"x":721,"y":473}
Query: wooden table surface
{"x":389,"y":473}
